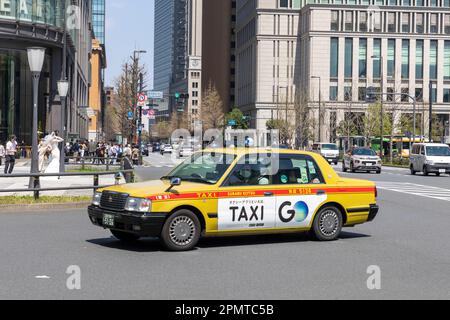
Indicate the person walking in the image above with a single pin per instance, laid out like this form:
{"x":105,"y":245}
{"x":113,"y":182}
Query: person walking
{"x":2,"y":153}
{"x":11,"y":150}
{"x":127,"y":165}
{"x":135,"y":155}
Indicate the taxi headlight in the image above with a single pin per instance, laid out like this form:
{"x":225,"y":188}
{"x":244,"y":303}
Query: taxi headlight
{"x":138,"y":205}
{"x":96,"y":199}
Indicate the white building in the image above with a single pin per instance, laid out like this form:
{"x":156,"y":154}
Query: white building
{"x":336,"y":49}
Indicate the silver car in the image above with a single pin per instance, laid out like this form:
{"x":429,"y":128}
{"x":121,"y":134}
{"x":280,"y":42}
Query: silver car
{"x":362,"y":159}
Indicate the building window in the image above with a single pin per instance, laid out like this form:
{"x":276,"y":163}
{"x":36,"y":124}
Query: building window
{"x":377,"y":58}
{"x":405,"y":94}
{"x":348,"y":93}
{"x":434,"y":23}
{"x":348,"y":57}
{"x":419,"y":22}
{"x":348,"y":21}
{"x":447,"y":23}
{"x":405,"y":59}
{"x":433,"y":59}
{"x":405,"y":22}
{"x":447,"y":60}
{"x":362,"y":94}
{"x":333,"y":93}
{"x":390,"y":95}
{"x":334,"y":65}
{"x":391,"y":58}
{"x":434,"y":95}
{"x":446,"y":95}
{"x":419,"y":59}
{"x":363,"y":21}
{"x":391,"y":22}
{"x":419,"y":94}
{"x":334,"y":20}
{"x":419,"y":3}
{"x":362,"y":58}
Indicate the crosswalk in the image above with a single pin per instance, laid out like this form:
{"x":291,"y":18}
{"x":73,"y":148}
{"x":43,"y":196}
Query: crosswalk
{"x":415,"y":189}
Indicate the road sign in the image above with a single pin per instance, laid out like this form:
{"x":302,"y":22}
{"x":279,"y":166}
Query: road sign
{"x":232,"y":123}
{"x":142,"y":97}
{"x":130,"y":115}
{"x":145,"y":112}
{"x":155,"y":94}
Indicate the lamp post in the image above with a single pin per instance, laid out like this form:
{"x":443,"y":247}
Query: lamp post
{"x":320,"y":106}
{"x":63,"y":88}
{"x":36,"y":57}
{"x":136,"y":54}
{"x":381,"y":103}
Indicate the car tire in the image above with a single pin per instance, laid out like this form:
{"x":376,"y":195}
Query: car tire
{"x":125,"y":236}
{"x":328,"y":223}
{"x":344,"y":169}
{"x":413,"y":172}
{"x":425,"y":171}
{"x":378,"y":171}
{"x":352,"y":168}
{"x":181,"y":231}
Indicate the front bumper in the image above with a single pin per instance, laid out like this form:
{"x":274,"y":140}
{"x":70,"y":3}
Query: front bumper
{"x":332,"y":159}
{"x":144,"y":226}
{"x":364,"y":167}
{"x":437,"y":168}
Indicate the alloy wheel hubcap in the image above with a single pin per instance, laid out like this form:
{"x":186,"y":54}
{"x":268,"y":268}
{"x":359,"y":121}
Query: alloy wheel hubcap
{"x":329,"y":223}
{"x":182,"y":230}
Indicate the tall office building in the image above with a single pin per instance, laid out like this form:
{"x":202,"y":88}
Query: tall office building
{"x":98,"y":19}
{"x":335,"y":49}
{"x":178,"y":51}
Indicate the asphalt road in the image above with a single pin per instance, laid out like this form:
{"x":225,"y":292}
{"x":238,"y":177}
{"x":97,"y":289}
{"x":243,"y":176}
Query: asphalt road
{"x":409,"y":241}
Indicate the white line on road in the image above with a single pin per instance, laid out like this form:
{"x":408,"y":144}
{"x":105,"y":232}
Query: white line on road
{"x":415,"y":189}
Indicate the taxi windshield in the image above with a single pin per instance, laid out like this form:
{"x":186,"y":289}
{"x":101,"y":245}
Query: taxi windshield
{"x":438,"y":151}
{"x":203,"y":167}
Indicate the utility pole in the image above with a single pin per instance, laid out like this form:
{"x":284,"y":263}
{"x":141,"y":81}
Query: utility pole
{"x":430,"y":134}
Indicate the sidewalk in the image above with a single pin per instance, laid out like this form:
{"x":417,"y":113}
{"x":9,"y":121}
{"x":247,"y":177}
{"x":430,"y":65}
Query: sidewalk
{"x":51,"y":182}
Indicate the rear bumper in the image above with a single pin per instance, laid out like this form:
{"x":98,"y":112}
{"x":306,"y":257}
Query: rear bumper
{"x":148,"y":226}
{"x":373,"y":212}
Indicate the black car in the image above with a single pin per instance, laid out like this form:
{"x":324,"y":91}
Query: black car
{"x":156,"y":147}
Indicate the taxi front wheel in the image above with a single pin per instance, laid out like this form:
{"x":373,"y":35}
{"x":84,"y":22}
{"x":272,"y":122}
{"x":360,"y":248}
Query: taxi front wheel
{"x":181,"y":231}
{"x":327,"y":224}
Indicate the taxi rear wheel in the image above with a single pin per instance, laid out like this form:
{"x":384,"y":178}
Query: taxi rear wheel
{"x":327,"y":224}
{"x":181,"y":231}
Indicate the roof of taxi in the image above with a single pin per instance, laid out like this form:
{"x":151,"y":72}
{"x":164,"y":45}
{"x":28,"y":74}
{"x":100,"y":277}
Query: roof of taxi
{"x":241,"y":151}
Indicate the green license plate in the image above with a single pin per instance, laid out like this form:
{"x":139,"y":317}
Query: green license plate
{"x":108,"y":220}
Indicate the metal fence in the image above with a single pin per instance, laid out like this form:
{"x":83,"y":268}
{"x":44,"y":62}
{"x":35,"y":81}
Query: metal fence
{"x":94,"y":162}
{"x":36,"y":188}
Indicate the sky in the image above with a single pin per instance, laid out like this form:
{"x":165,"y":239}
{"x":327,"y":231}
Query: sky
{"x":129,"y":27}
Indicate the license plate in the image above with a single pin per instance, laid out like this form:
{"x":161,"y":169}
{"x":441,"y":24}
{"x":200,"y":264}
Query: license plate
{"x":442,"y":171}
{"x":108,"y":220}
{"x":369,"y":164}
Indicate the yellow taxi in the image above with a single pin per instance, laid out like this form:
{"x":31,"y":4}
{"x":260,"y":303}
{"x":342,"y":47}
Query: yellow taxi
{"x":239,"y":191}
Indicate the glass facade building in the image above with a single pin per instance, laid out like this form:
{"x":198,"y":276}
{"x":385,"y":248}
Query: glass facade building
{"x":98,"y":19}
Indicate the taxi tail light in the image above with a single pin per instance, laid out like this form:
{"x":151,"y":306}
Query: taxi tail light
{"x":376,"y":192}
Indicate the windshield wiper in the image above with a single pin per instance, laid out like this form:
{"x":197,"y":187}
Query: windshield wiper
{"x":195,"y":179}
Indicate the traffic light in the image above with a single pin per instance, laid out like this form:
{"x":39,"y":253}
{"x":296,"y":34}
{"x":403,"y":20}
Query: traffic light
{"x":179,"y":95}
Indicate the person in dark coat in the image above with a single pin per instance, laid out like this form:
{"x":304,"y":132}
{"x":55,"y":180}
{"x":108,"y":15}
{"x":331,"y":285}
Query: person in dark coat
{"x":127,"y":165}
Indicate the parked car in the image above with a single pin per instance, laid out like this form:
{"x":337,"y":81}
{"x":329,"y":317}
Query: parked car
{"x":156,"y":147}
{"x":430,"y":158}
{"x":362,"y":159}
{"x":166,"y":148}
{"x":185,"y":151}
{"x":329,"y":151}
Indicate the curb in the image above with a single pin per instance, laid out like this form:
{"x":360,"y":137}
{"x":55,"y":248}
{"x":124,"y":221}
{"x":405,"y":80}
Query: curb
{"x":16,"y":208}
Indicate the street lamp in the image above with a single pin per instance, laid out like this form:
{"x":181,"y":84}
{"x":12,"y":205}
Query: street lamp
{"x":320,"y":106}
{"x":381,"y":58}
{"x":36,"y":57}
{"x":141,"y":88}
{"x":63,"y":88}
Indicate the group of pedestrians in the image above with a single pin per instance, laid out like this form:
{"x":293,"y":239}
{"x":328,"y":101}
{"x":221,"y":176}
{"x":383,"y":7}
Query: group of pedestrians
{"x":8,"y":154}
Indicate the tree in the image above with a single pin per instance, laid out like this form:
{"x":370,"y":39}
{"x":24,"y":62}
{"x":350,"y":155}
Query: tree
{"x":285,"y":129}
{"x":237,"y":116}
{"x":304,"y":121}
{"x":212,"y":114}
{"x":178,"y":120}
{"x":162,"y":130}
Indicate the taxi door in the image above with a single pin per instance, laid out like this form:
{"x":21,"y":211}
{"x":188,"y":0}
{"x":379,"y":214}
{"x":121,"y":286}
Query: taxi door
{"x":300,"y":189}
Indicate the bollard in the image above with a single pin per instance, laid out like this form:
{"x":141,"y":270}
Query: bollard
{"x":82,"y":164}
{"x":36,"y":185}
{"x":96,"y":180}
{"x":107,"y":163}
{"x":117,"y":178}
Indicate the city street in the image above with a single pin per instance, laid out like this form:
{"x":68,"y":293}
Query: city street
{"x":409,"y":241}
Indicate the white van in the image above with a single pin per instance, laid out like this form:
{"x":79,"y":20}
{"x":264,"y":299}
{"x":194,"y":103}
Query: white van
{"x":430,"y":158}
{"x":329,"y":151}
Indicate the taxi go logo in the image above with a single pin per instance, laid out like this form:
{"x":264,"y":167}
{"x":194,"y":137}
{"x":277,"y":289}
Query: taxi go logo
{"x":299,"y":212}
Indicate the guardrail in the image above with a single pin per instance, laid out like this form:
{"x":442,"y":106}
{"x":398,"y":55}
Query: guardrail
{"x":35,"y":181}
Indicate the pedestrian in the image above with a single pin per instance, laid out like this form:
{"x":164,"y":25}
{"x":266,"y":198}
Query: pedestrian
{"x":76,"y":151}
{"x":127,"y":165}
{"x":2,"y":153}
{"x":135,"y":155}
{"x":11,"y":150}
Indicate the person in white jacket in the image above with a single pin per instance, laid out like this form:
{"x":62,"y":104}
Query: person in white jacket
{"x":2,"y":153}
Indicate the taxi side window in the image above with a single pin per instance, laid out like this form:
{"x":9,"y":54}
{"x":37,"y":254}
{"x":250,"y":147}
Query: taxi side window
{"x":298,"y":169}
{"x":292,"y":170}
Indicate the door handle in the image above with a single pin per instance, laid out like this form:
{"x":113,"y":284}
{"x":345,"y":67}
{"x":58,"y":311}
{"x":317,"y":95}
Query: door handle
{"x":268,"y":194}
{"x":321,"y":192}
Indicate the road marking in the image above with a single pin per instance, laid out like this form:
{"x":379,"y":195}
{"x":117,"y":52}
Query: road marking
{"x":42,"y":277}
{"x":416,"y":189}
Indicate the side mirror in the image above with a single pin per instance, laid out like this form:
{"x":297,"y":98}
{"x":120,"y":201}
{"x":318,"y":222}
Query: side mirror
{"x":175,"y":182}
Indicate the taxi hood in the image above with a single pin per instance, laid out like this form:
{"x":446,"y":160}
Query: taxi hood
{"x":156,"y":187}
